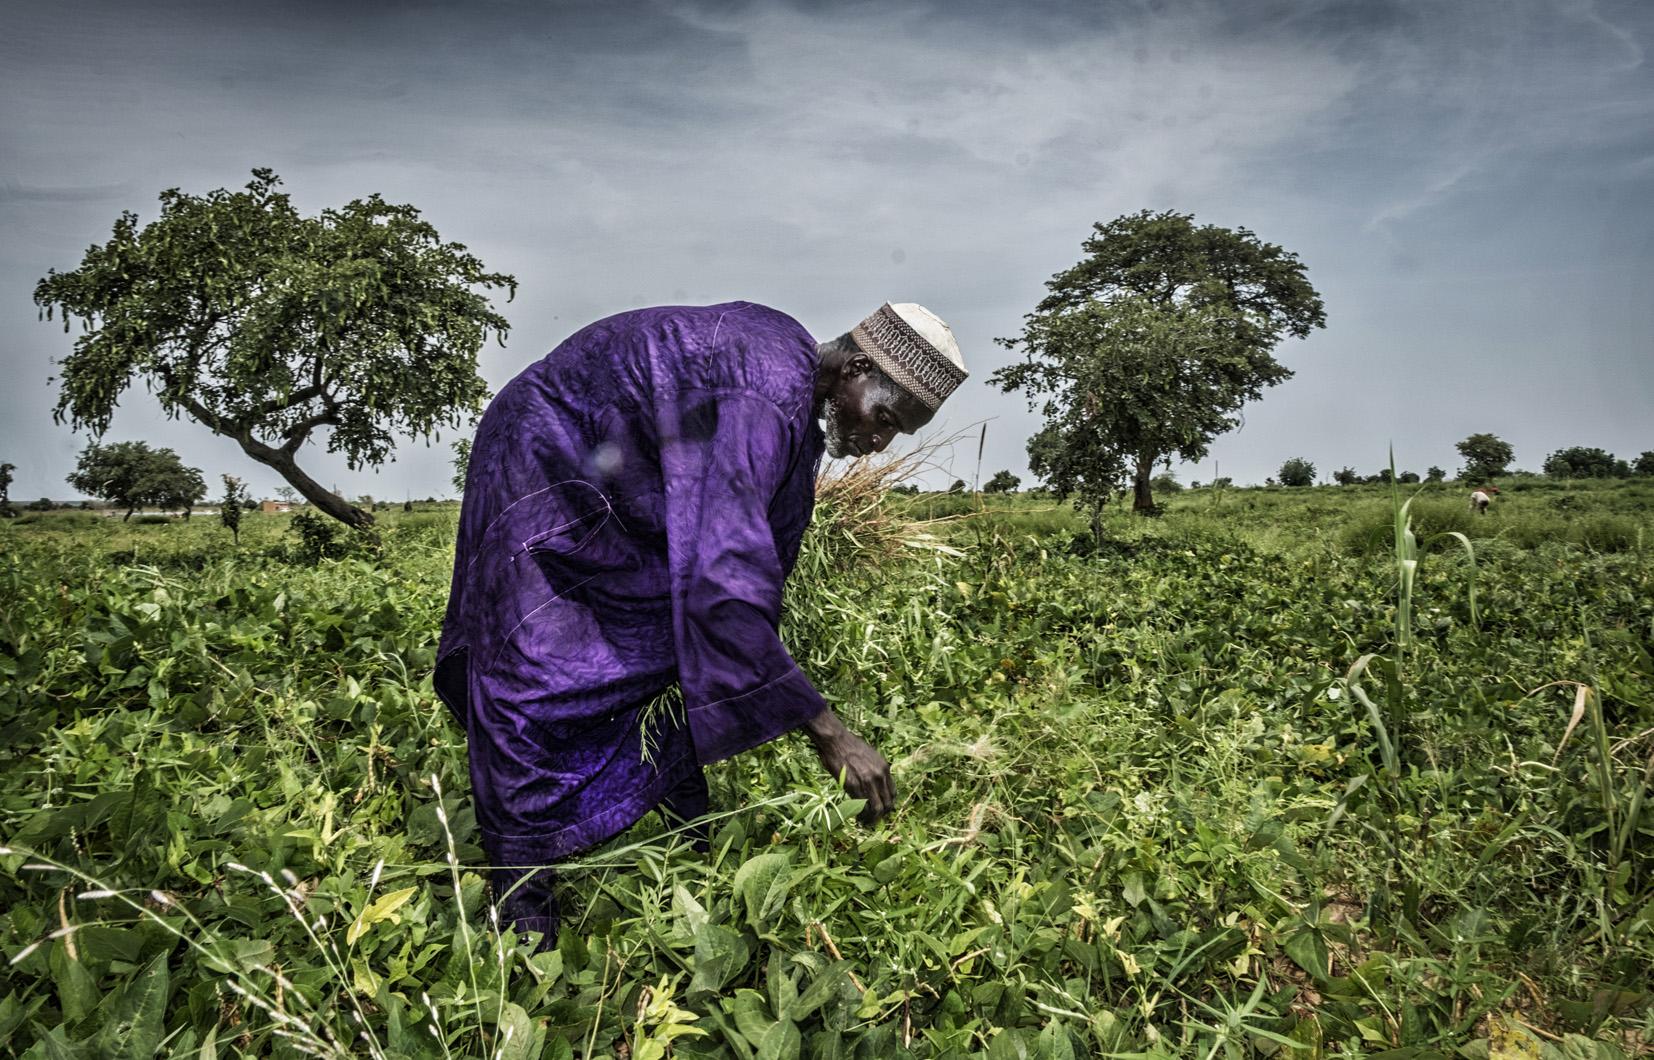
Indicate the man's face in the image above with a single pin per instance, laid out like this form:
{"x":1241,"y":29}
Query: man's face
{"x":865,"y":411}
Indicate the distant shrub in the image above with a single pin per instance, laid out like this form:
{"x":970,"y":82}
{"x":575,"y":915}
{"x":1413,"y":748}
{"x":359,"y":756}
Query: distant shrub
{"x":153,"y":520}
{"x":1585,"y":462}
{"x":1297,"y":472}
{"x":1346,"y":476}
{"x":319,"y":539}
{"x":1165,"y":482}
{"x":1644,"y":464}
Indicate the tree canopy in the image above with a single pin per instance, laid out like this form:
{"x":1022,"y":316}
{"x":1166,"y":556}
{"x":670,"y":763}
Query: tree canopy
{"x":131,"y":475}
{"x":1150,"y":345}
{"x":1485,"y":455}
{"x":1002,"y":482}
{"x":1297,"y":472}
{"x":266,"y":325}
{"x":1585,"y":462}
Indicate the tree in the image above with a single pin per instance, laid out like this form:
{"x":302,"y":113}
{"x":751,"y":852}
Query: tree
{"x":5,"y":490}
{"x":958,"y":486}
{"x":265,"y":326}
{"x":1434,"y":474}
{"x":1408,"y":477}
{"x":1582,"y":462}
{"x":1150,"y":345}
{"x":181,"y":490}
{"x":1002,"y":482}
{"x":1644,"y":464}
{"x":462,"y":464}
{"x":1346,"y":476}
{"x":1485,"y":455}
{"x":229,"y":509}
{"x":1297,"y":472}
{"x":288,"y":494}
{"x":131,"y":475}
{"x":1166,"y":482}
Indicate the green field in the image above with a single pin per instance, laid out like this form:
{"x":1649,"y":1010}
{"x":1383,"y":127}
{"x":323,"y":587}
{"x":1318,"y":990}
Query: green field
{"x":1145,"y":810}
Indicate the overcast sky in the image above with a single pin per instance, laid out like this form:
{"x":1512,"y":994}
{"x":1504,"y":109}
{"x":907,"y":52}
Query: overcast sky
{"x":1470,"y":185}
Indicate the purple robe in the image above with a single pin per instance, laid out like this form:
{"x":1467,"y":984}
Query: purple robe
{"x":633,"y":504}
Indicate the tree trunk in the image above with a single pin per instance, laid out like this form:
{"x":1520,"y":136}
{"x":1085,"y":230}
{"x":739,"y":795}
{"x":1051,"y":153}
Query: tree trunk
{"x":314,"y":492}
{"x":128,"y":515}
{"x":1142,"y":501}
{"x":1097,"y":526}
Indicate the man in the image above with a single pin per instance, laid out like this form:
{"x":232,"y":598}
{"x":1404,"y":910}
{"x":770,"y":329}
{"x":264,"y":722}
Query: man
{"x":633,"y":504}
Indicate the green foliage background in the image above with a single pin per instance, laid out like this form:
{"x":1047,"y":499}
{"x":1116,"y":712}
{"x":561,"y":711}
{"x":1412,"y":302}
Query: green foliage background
{"x":1142,"y":814}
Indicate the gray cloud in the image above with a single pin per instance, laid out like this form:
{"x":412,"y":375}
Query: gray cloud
{"x":1465,"y":182}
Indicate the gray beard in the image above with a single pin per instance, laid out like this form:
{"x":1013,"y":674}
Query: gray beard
{"x":836,"y":444}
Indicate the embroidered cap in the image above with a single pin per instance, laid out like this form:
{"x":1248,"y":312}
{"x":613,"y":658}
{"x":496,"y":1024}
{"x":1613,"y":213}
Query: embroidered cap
{"x":915,"y":349}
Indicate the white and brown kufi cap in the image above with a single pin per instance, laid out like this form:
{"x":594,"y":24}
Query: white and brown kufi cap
{"x":915,"y":349}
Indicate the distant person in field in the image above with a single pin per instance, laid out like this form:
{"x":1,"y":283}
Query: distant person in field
{"x":633,"y":503}
{"x":1481,"y":498}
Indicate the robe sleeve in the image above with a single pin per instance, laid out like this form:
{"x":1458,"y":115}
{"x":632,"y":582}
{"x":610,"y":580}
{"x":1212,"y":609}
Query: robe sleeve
{"x":724,"y":456}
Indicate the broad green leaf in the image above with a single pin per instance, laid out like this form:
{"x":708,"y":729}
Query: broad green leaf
{"x":383,"y":908}
{"x":1132,"y":888}
{"x":1308,"y":950}
{"x":762,"y":884}
{"x":720,"y":954}
{"x":828,"y":982}
{"x":516,"y":1036}
{"x":133,"y":1023}
{"x":1054,"y":1043}
{"x":77,"y":990}
{"x":781,"y":1042}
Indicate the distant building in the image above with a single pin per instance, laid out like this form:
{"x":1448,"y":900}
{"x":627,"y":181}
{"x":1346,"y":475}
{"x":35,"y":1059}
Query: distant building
{"x":275,"y":506}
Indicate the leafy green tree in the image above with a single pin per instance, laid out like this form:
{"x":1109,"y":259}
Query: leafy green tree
{"x":181,"y":490}
{"x":5,"y":490}
{"x":229,"y":509}
{"x":131,"y":475}
{"x":958,"y":486}
{"x":1002,"y":482}
{"x":1297,"y":472}
{"x":44,"y":504}
{"x":1485,"y":456}
{"x":1434,"y":474}
{"x":1346,"y":476}
{"x":1166,"y":482}
{"x":265,"y":325}
{"x":1644,"y":464}
{"x":1408,"y":477}
{"x":462,"y":464}
{"x":1150,"y":345}
{"x":1582,"y":462}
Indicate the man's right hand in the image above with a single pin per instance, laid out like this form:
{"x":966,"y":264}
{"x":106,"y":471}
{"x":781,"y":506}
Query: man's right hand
{"x":864,"y":772}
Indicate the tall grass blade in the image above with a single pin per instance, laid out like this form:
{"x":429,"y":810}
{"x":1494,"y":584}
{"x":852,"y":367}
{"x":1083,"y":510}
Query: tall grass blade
{"x":1387,"y":750}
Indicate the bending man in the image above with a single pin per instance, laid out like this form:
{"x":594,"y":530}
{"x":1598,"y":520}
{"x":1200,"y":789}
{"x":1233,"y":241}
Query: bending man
{"x":633,"y":503}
